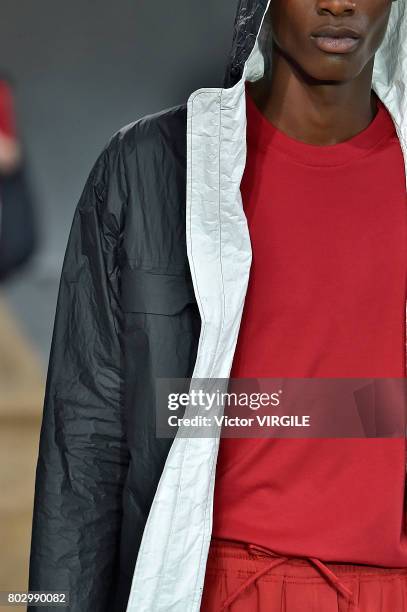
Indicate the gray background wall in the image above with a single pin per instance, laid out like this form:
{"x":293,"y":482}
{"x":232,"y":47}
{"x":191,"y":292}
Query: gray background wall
{"x":83,"y":69}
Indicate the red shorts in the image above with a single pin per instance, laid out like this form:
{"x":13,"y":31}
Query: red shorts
{"x":247,"y":578}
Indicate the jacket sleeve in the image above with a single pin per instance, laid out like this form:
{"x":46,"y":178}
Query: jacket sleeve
{"x":83,"y":457}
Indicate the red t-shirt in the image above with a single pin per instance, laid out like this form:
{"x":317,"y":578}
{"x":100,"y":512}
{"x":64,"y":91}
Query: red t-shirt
{"x":7,"y":119}
{"x":326,"y":298}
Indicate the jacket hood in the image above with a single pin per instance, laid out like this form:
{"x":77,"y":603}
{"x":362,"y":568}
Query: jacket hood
{"x":389,"y":71}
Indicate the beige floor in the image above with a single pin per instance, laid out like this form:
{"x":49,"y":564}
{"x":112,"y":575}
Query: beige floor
{"x":22,"y":384}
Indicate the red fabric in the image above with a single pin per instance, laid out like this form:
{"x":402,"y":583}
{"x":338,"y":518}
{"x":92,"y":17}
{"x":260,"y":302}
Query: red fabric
{"x":278,"y":585}
{"x":326,"y":298}
{"x":7,"y":119}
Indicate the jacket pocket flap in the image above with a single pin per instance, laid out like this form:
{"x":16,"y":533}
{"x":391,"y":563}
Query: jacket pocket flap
{"x":147,"y":292}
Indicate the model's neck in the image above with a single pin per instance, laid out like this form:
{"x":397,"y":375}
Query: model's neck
{"x":315,"y":112}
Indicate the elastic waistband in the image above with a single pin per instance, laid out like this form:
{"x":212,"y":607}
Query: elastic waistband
{"x":232,"y":554}
{"x":253,"y":562}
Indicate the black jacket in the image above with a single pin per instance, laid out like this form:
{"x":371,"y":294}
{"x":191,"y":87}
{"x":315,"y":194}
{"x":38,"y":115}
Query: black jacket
{"x":126,"y":313}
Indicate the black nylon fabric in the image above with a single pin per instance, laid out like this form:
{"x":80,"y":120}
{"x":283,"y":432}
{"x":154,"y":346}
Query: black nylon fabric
{"x":126,"y":313}
{"x":248,"y":18}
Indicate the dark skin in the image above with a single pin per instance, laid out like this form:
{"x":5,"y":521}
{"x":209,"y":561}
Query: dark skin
{"x":315,"y":96}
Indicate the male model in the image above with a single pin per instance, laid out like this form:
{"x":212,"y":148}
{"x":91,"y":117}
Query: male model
{"x":281,"y":194}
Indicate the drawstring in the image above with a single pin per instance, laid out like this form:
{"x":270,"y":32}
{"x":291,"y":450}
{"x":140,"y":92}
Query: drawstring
{"x":326,"y":572}
{"x":250,"y":581}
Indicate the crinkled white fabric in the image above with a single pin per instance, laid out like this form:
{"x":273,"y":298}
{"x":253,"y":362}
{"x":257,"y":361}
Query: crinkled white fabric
{"x":170,"y":569}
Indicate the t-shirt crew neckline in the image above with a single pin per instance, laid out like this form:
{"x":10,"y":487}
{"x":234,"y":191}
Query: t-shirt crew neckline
{"x":261,"y":132}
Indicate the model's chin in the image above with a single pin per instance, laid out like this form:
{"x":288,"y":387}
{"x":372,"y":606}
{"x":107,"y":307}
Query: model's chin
{"x":315,"y":65}
{"x":331,"y":67}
